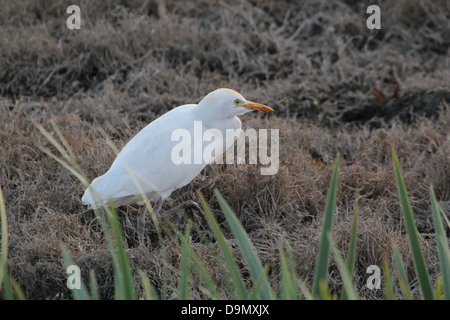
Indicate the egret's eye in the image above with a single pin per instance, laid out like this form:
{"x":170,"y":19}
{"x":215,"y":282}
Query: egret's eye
{"x":237,"y":102}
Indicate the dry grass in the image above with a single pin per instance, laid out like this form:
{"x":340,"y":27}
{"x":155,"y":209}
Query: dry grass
{"x":335,"y":85}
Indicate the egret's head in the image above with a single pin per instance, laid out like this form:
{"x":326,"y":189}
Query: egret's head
{"x":229,"y":103}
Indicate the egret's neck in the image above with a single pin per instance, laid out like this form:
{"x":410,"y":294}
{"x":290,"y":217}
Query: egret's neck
{"x":215,"y":120}
{"x":209,"y":112}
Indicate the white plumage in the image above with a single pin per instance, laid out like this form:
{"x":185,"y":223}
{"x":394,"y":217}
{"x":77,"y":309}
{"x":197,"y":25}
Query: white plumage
{"x":145,"y":165}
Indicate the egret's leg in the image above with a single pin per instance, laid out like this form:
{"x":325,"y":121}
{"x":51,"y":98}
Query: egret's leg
{"x":185,"y":205}
{"x":186,"y":208}
{"x":141,"y":218}
{"x":158,"y":207}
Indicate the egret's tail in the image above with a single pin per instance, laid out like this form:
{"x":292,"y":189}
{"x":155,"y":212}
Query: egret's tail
{"x":96,"y":193}
{"x":106,"y":189}
{"x":90,"y":200}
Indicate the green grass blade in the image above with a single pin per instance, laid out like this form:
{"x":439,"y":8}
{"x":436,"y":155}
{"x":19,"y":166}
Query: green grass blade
{"x":446,"y":219}
{"x":288,"y":278}
{"x":121,"y":264}
{"x":149,"y":291}
{"x":347,"y":279}
{"x":78,"y":294}
{"x":305,"y":290}
{"x":123,"y":278}
{"x":443,"y":248}
{"x":321,"y":271}
{"x":227,"y":276}
{"x":69,"y":166}
{"x":95,"y":295}
{"x":207,"y":286}
{"x":20,"y":295}
{"x":210,"y":288}
{"x":238,"y":289}
{"x":402,"y":277}
{"x":183,"y":293}
{"x":255,"y":293}
{"x":249,"y":253}
{"x":413,"y":235}
{"x":351,"y":257}
{"x":68,"y":153}
{"x":324,"y":292}
{"x":388,"y":286}
{"x":438,"y":291}
{"x":4,"y":273}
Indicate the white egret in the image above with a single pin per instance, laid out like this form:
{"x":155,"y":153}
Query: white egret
{"x":145,"y":166}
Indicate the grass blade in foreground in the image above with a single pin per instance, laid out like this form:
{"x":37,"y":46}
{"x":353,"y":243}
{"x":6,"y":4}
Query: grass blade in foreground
{"x":257,"y":285}
{"x":442,"y":243}
{"x":288,"y":277}
{"x":95,"y":295}
{"x":81,"y":293}
{"x":321,"y":271}
{"x":4,"y":274}
{"x":352,"y":249}
{"x":250,"y":256}
{"x":149,"y":291}
{"x":185,"y":261}
{"x":207,"y":286}
{"x":20,"y":295}
{"x":343,"y":269}
{"x":403,"y":279}
{"x":413,"y":235}
{"x":238,"y":291}
{"x":122,"y":269}
{"x":388,"y":286}
{"x":210,"y":289}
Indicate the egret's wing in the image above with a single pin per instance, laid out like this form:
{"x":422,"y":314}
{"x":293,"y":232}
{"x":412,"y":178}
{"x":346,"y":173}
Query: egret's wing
{"x":144,"y":165}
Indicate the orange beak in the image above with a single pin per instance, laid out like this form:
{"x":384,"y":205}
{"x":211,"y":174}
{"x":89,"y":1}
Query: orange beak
{"x":256,"y":106}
